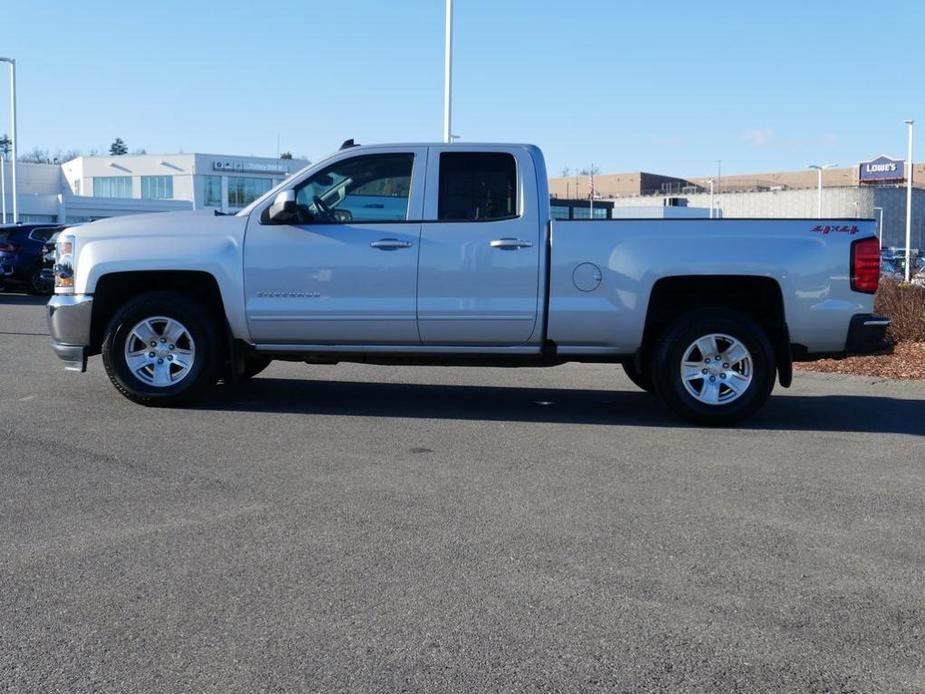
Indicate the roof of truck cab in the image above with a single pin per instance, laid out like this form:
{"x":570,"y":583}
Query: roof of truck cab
{"x":466,"y":145}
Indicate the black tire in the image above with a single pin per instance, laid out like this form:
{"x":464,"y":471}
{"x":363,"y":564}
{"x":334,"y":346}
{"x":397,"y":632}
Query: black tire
{"x":39,"y":286}
{"x":641,"y":380}
{"x":670,"y":351}
{"x":201,"y":326}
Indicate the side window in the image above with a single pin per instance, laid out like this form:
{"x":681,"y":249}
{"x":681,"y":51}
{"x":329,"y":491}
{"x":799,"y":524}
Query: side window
{"x":477,"y":186}
{"x":371,"y":188}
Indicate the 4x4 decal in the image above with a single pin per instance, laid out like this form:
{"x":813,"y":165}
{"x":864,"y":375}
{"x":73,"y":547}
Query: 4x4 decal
{"x":833,"y":228}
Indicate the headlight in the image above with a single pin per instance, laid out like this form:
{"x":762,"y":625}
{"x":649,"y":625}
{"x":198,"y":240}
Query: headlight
{"x":64,"y":264}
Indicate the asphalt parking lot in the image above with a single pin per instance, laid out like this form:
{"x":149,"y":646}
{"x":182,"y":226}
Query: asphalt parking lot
{"x":375,"y":529}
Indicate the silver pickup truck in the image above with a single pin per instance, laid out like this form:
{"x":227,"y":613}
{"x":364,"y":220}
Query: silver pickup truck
{"x":438,"y":254}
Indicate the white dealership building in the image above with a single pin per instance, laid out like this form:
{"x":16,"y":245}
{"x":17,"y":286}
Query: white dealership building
{"x":88,"y":188}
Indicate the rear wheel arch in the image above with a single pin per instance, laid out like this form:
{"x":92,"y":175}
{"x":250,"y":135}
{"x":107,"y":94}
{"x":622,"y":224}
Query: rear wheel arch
{"x":759,"y":298}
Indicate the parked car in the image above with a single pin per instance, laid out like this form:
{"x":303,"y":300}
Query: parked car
{"x":22,"y":251}
{"x":463,"y":266}
{"x":48,"y":261}
{"x":888,"y":269}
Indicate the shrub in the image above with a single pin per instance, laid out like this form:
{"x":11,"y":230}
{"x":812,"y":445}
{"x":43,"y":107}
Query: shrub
{"x":904,"y":305}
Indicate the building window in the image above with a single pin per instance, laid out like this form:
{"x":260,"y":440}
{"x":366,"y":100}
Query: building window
{"x":112,"y":186}
{"x":242,"y":191}
{"x":559,"y":211}
{"x":212,"y":195}
{"x":477,"y":186}
{"x":157,"y":187}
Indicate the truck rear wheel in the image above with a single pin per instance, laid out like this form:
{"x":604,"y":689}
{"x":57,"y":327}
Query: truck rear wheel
{"x":714,"y":367}
{"x":162,"y":348}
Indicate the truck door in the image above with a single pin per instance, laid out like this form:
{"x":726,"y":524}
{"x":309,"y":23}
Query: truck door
{"x":478,"y":274}
{"x":345,"y":271}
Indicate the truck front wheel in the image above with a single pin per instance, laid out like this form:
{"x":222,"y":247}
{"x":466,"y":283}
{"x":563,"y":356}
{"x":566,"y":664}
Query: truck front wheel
{"x":162,"y":348}
{"x":714,"y":367}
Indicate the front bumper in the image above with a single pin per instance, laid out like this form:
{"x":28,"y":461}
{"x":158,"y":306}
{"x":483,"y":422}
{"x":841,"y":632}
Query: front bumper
{"x":867,"y":334}
{"x":69,"y":326}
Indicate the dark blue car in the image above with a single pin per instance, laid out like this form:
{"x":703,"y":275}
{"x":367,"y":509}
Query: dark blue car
{"x":22,"y":256}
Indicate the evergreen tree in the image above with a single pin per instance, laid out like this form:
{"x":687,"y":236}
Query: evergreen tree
{"x":118,"y":147}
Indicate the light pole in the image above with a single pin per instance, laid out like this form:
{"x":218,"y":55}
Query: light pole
{"x":3,"y":187}
{"x":448,"y":75}
{"x":909,"y":123}
{"x":880,"y":226}
{"x":591,"y":194}
{"x":819,"y":169}
{"x":711,"y":198}
{"x":12,"y":63}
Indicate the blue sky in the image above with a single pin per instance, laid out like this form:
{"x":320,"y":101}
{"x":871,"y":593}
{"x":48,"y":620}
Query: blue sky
{"x":668,"y":87}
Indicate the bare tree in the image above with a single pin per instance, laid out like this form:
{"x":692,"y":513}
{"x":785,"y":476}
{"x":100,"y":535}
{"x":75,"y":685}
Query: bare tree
{"x":36,"y":156}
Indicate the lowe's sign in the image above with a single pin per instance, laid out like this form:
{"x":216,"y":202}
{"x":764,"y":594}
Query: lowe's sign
{"x":882,"y":169}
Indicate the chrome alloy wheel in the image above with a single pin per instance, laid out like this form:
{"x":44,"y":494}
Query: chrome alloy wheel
{"x":160,"y":351}
{"x":716,"y":369}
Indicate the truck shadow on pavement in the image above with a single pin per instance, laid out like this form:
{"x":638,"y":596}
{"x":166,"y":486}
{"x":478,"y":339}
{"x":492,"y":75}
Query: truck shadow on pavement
{"x":845,"y":413}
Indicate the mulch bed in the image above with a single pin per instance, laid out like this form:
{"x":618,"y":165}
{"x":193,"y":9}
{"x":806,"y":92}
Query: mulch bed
{"x":906,"y":362}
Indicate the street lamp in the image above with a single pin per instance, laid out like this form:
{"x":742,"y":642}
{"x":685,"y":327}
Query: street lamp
{"x":909,"y":204}
{"x":448,"y":75}
{"x":819,"y":169}
{"x":711,"y":198}
{"x":880,"y":226}
{"x":3,"y":188}
{"x":12,"y":63}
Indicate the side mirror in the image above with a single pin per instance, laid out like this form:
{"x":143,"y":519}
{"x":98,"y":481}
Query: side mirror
{"x":284,"y":209}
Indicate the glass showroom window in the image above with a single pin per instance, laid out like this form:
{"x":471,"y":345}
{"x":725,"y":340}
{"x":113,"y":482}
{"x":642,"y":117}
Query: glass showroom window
{"x":112,"y":186}
{"x":559,"y":211}
{"x":212,"y":196}
{"x":157,"y":187}
{"x":242,"y":191}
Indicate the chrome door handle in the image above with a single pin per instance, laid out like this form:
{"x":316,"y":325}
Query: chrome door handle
{"x":390,"y":244}
{"x":510,"y":244}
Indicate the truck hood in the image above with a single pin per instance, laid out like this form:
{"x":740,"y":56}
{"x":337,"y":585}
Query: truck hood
{"x":163,"y":224}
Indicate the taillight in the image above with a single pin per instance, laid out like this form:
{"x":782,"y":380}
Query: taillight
{"x":865,"y":265}
{"x":9,"y":247}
